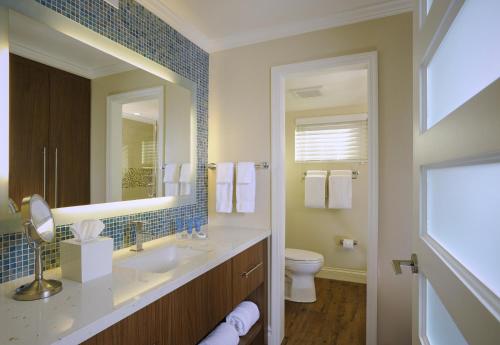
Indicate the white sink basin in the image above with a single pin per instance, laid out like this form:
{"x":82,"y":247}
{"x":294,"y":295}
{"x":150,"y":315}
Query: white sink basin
{"x":160,"y":260}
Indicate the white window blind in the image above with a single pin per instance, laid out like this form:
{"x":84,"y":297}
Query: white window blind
{"x":332,"y":138}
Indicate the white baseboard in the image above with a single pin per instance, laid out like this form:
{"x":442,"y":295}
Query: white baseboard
{"x":344,"y":274}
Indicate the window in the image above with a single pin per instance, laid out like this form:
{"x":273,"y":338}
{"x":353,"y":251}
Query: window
{"x":332,"y":138}
{"x":466,"y":61}
{"x":462,"y":216}
{"x":439,"y":325}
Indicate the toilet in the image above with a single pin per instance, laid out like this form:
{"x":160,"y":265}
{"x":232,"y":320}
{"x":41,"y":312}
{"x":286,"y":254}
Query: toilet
{"x":300,"y":269}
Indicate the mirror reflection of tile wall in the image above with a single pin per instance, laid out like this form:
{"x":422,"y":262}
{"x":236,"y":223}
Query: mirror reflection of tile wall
{"x":136,"y":28}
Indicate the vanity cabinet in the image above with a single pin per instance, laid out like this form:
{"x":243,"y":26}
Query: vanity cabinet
{"x":189,"y":313}
{"x":49,"y":134}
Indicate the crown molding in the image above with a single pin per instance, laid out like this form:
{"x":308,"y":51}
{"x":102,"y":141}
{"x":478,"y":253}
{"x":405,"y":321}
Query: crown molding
{"x":387,"y":8}
{"x":357,"y":15}
{"x":63,"y":64}
{"x":160,"y":9}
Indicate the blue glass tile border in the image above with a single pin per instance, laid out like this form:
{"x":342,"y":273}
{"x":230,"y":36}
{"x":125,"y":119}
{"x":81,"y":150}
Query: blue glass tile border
{"x":136,"y":28}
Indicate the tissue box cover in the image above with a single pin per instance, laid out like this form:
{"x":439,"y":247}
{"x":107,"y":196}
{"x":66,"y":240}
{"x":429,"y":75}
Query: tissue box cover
{"x":88,"y":260}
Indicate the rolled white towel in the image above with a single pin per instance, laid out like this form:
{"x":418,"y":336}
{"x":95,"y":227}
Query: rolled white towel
{"x":224,"y":334}
{"x":243,"y":317}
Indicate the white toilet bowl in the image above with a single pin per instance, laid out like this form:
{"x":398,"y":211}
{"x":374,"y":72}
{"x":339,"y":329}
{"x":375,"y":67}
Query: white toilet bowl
{"x":300,"y":268}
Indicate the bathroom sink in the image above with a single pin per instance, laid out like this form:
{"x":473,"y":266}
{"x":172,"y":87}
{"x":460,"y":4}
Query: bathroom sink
{"x":160,"y":260}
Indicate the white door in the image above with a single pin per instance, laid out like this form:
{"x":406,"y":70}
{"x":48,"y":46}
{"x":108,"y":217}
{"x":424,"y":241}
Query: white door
{"x":456,"y":233}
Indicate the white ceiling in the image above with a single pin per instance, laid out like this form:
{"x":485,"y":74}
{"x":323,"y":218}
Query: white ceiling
{"x":339,"y":88}
{"x":38,"y":42}
{"x":222,"y":24}
{"x":148,"y":109}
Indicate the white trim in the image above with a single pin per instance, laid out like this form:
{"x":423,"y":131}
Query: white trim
{"x":65,"y":65}
{"x":278,"y":197}
{"x":343,"y":274}
{"x":114,"y":116}
{"x":363,"y":13}
{"x":330,"y":119}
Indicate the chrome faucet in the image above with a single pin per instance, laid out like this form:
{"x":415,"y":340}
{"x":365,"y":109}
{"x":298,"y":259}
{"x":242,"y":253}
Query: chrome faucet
{"x":139,"y":235}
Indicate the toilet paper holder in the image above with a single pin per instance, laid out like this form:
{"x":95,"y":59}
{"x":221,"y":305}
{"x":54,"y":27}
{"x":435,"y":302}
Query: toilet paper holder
{"x":341,"y":242}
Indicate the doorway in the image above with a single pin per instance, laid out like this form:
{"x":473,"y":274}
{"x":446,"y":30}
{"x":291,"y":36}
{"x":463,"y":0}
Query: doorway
{"x":280,"y":74}
{"x":134,"y":148}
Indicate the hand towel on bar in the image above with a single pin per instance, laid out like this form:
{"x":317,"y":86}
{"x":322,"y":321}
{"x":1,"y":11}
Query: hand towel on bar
{"x":245,"y":187}
{"x":243,"y":317}
{"x":171,"y":179}
{"x":185,"y":179}
{"x":340,"y":189}
{"x":224,"y":334}
{"x":224,"y":187}
{"x":315,"y":188}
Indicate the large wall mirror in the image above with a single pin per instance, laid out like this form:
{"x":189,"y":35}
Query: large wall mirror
{"x":87,"y":127}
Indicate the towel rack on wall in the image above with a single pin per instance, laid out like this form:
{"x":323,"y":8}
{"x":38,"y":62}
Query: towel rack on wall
{"x":355,"y":174}
{"x":260,"y":165}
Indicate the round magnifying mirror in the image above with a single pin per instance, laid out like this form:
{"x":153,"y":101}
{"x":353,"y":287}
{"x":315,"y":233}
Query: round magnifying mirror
{"x":36,"y":211}
{"x":39,"y":227}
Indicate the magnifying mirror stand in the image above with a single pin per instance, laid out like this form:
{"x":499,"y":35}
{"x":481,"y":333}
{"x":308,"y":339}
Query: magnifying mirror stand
{"x":40,"y":287}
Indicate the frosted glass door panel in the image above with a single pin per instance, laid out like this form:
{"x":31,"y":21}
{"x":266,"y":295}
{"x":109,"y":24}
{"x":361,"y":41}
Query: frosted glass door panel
{"x":463,"y":216}
{"x":466,"y":61}
{"x":440,"y":327}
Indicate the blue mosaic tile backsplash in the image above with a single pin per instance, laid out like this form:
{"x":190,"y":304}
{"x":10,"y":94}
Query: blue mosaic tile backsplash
{"x":138,"y":29}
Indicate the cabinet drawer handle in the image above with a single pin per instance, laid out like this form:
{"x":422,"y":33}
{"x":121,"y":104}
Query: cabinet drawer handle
{"x":247,"y":274}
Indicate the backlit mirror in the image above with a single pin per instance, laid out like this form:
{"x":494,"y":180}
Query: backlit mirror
{"x":87,"y":127}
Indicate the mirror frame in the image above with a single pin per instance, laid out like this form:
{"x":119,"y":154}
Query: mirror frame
{"x":59,"y":22}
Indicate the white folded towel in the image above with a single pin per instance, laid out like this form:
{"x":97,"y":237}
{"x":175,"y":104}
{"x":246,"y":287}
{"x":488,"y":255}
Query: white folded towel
{"x":315,"y":189}
{"x":185,"y":179}
{"x":171,"y":173}
{"x":340,"y":189}
{"x":171,"y":179}
{"x":224,"y":187}
{"x":243,"y":317}
{"x":224,"y":334}
{"x":245,"y":187}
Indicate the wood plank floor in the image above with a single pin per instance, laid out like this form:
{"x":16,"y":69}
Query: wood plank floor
{"x":338,"y":317}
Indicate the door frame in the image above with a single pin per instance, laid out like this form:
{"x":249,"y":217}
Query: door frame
{"x":278,"y":195}
{"x":114,"y":105}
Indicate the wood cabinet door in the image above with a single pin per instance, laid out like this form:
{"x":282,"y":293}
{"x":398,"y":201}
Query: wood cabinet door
{"x":69,"y":139}
{"x":28,"y":128}
{"x":219,"y":294}
{"x":248,"y":272}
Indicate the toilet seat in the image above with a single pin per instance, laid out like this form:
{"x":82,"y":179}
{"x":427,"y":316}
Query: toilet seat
{"x":303,"y":256}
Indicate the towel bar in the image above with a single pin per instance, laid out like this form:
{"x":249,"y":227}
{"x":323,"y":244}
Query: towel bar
{"x":355,"y":174}
{"x":261,"y":165}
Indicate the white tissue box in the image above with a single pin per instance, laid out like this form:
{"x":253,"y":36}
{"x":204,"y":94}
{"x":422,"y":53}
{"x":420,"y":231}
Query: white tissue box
{"x":88,"y":260}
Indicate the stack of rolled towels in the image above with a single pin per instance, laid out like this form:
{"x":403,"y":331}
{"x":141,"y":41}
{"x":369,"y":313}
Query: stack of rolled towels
{"x":237,"y":324}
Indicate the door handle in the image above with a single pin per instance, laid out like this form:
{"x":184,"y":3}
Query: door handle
{"x":56,"y":180}
{"x":45,"y":173}
{"x":412,"y":263}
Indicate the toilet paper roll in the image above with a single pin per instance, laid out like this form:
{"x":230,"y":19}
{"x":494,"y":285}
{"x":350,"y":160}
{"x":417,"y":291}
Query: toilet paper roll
{"x":348,"y":243}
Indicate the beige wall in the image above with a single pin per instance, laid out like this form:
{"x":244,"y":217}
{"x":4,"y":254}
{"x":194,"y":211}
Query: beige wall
{"x":239,"y":129}
{"x":320,"y":230}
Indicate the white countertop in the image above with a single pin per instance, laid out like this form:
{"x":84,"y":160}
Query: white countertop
{"x":81,"y":311}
